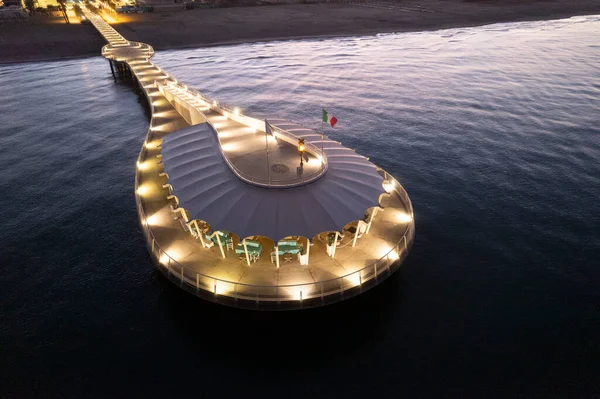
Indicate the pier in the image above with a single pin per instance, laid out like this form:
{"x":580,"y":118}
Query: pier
{"x":255,"y":217}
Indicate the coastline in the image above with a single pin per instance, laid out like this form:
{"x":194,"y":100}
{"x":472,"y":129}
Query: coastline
{"x":46,"y":39}
{"x":341,"y":35}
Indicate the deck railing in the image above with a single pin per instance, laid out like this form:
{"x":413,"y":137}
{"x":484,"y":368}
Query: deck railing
{"x":108,"y":32}
{"x":274,"y":297}
{"x":196,"y":102}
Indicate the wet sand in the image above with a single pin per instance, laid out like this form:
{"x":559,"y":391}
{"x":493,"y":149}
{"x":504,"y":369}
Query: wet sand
{"x":47,"y":38}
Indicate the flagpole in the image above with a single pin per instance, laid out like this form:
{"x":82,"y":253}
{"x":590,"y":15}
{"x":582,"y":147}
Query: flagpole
{"x":322,"y":137}
{"x":267,"y":144}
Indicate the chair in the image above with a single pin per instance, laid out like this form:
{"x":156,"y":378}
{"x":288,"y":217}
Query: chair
{"x":229,"y":243}
{"x":208,"y":243}
{"x":224,"y":237}
{"x":254,"y":249}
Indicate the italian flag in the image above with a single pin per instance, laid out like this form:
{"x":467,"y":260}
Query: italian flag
{"x":329,"y":119}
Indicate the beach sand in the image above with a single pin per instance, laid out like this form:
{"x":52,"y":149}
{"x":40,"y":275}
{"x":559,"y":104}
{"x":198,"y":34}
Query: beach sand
{"x":46,"y":38}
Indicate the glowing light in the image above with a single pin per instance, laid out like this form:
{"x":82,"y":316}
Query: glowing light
{"x":393,"y":255}
{"x":386,"y":250}
{"x":164,"y":259}
{"x":143,"y":190}
{"x":403,"y":217}
{"x":298,"y":292}
{"x":316,"y":160}
{"x":215,"y":103}
{"x":222,"y":288}
{"x":229,"y":147}
{"x":164,"y":114}
{"x":152,"y":220}
{"x":301,"y":147}
{"x":353,"y":279}
{"x":236,"y":111}
{"x":389,"y":185}
{"x":150,"y":145}
{"x":142,"y":165}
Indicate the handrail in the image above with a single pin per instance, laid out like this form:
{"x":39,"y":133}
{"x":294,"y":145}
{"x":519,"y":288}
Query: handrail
{"x":389,"y":258}
{"x":103,"y":27}
{"x":175,"y":88}
{"x":234,"y":114}
{"x":396,"y":253}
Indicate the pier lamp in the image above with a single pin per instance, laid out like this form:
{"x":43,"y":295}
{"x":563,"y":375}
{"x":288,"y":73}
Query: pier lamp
{"x":301,"y":149}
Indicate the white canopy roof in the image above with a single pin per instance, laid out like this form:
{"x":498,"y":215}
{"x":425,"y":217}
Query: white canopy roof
{"x":210,"y":191}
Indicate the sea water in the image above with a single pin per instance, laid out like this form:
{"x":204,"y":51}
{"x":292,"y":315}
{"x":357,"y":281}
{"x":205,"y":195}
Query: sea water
{"x":493,"y":131}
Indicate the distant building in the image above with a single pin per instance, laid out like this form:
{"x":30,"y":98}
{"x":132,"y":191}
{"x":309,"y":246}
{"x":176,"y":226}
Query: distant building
{"x":163,"y":5}
{"x":8,"y":3}
{"x":46,"y":3}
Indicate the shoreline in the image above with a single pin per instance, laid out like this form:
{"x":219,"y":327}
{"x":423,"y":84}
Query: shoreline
{"x":45,"y":40}
{"x":346,"y":35}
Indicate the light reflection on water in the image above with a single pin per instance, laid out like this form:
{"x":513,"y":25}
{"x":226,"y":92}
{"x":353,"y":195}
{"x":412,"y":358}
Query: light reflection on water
{"x":494,"y":132}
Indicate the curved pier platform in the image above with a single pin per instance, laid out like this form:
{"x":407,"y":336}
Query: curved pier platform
{"x":234,"y":213}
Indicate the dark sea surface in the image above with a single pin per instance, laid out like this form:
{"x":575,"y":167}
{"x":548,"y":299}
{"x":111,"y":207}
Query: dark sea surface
{"x":494,"y":132}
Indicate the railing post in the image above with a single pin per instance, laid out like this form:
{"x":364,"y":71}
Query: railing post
{"x":197,"y":283}
{"x":322,"y":298}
